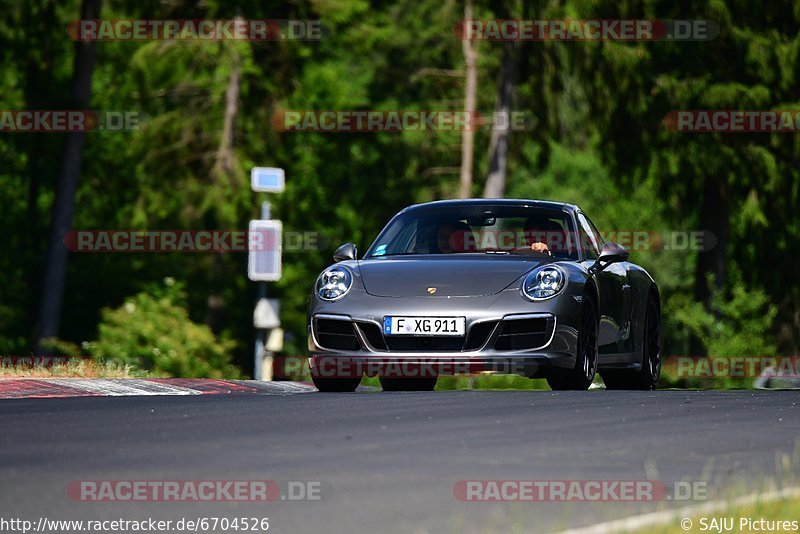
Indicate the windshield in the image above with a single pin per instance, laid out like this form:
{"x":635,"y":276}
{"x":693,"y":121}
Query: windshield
{"x":477,"y":229}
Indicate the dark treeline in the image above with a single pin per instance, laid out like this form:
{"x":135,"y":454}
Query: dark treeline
{"x":596,"y":136}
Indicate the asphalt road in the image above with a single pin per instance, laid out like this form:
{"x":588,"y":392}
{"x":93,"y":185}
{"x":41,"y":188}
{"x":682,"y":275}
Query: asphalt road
{"x":388,"y":462}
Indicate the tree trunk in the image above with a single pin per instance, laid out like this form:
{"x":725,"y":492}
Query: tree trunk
{"x":470,"y":94}
{"x":52,"y":291}
{"x":498,"y":147}
{"x":225,"y":168}
{"x":225,"y":156}
{"x":38,"y":90}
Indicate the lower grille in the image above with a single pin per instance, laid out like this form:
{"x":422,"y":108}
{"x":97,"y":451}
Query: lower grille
{"x":373,"y":334}
{"x":334,"y":334}
{"x":522,"y":334}
{"x":478,"y":335}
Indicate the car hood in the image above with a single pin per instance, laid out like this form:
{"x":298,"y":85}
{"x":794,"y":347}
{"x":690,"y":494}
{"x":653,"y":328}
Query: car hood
{"x":473,"y":275}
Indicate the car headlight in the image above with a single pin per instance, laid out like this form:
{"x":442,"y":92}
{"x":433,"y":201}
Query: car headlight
{"x":544,"y":282}
{"x":334,"y":283}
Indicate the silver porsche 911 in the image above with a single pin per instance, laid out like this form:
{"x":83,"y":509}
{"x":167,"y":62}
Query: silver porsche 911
{"x":484,"y":285}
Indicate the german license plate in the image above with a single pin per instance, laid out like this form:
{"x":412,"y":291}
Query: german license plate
{"x":424,"y":326}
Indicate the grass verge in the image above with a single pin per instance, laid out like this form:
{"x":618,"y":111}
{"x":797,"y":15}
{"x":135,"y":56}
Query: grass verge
{"x":74,"y":368}
{"x":483,"y":382}
{"x":781,"y":515}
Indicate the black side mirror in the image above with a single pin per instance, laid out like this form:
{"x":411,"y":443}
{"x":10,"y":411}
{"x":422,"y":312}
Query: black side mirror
{"x":348,"y":251}
{"x":609,"y":253}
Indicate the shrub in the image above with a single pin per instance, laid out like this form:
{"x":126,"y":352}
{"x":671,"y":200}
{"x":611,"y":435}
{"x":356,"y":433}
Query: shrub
{"x":153,"y":331}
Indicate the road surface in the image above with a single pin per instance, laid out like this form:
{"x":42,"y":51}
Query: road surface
{"x":388,"y":462}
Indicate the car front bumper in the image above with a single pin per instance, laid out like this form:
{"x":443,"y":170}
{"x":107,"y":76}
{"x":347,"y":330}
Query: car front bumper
{"x":504,"y":334}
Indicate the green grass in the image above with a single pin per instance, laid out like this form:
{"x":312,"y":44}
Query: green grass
{"x":670,"y":379}
{"x":781,"y":510}
{"x":73,"y":369}
{"x":484,"y":382}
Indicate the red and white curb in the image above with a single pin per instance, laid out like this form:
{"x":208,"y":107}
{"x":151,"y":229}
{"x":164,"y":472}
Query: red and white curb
{"x":29,"y":388}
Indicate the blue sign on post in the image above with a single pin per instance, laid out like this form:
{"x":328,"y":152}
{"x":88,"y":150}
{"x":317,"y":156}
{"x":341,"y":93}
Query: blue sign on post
{"x":267,"y":179}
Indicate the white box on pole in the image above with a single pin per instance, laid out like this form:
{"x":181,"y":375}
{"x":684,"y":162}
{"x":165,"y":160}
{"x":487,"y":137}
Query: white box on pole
{"x":264,"y":250}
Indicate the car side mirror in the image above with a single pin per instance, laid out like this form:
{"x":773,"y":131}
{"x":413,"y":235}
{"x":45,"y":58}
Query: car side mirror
{"x":609,"y":253}
{"x":348,"y":251}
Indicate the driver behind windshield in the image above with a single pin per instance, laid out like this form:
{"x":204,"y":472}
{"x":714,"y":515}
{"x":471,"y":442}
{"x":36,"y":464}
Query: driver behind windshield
{"x":540,"y":231}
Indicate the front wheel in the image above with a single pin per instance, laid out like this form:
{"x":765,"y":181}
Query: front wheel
{"x":408,"y":384}
{"x":335,"y":385}
{"x":647,"y":377}
{"x":582,"y":375}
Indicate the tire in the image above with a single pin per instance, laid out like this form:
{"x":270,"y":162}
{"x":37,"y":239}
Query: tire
{"x":335,"y":385}
{"x":647,"y":377}
{"x":581,"y":376}
{"x":408,"y":384}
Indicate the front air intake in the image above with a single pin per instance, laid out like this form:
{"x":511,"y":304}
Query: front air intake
{"x":335,"y":334}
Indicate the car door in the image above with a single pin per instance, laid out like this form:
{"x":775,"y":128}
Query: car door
{"x":614,"y":290}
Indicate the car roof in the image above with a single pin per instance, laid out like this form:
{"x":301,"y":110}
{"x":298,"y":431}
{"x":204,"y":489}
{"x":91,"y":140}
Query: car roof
{"x":495,"y":202}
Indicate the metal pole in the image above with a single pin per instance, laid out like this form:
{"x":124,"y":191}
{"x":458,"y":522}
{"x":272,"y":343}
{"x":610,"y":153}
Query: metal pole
{"x":260,"y":336}
{"x":261,"y":355}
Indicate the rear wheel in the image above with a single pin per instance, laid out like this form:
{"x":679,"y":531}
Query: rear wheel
{"x":582,"y":375}
{"x":335,"y":385}
{"x":408,"y":384}
{"x":647,"y":377}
